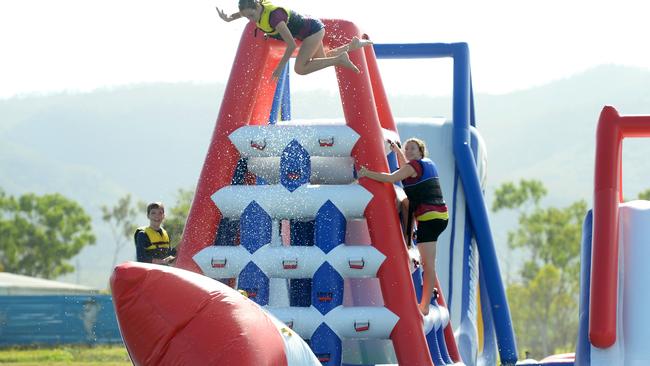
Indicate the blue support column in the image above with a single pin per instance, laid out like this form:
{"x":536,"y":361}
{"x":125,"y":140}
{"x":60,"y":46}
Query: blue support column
{"x":281,"y":98}
{"x":489,"y":354}
{"x":285,"y":110}
{"x":463,"y":117}
{"x":477,"y":207}
{"x":583,"y":347}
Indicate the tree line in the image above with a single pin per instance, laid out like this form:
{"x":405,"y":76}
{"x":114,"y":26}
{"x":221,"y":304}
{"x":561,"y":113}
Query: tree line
{"x":39,"y":234}
{"x":544,"y":295}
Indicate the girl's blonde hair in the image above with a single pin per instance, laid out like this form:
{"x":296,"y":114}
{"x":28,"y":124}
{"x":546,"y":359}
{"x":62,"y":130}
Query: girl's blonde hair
{"x":421,"y":145}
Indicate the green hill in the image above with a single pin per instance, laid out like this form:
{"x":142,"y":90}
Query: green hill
{"x":151,"y":139}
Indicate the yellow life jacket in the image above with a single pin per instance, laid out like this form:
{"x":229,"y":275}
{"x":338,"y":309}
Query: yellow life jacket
{"x":265,"y":19}
{"x":157,"y":240}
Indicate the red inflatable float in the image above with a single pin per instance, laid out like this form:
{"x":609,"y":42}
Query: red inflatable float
{"x":169,"y":316}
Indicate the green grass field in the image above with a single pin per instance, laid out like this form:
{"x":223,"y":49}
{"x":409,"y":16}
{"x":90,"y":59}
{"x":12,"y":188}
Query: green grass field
{"x":66,"y":355}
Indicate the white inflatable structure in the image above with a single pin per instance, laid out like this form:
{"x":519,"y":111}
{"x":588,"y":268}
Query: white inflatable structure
{"x":362,"y":322}
{"x":633,"y":320}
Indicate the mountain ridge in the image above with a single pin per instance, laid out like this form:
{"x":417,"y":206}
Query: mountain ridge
{"x":151,"y":139}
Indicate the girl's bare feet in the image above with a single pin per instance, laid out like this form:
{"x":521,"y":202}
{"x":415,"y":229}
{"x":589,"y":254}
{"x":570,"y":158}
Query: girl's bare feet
{"x":424,"y":309}
{"x":357,"y":43}
{"x":344,"y":60}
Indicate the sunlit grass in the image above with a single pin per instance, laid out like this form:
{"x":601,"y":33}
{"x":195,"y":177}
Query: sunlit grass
{"x":66,"y":355}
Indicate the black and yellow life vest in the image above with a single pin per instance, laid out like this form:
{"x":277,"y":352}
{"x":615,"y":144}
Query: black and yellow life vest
{"x":265,"y":19}
{"x":158,"y":240}
{"x":424,"y":190}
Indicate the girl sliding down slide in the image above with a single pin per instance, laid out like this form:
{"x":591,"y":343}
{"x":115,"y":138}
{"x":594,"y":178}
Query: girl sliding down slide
{"x":287,"y":25}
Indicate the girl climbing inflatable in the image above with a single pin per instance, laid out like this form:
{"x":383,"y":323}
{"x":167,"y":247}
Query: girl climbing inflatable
{"x":419,"y":175}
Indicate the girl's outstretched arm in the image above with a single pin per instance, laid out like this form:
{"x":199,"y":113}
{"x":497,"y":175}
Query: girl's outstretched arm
{"x":400,"y":174}
{"x":228,"y":18}
{"x":287,"y":37}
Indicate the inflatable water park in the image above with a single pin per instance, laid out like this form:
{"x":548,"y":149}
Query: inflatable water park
{"x":288,"y":258}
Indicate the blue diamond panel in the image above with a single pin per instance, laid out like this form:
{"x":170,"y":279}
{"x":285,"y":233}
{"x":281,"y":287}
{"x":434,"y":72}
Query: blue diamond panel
{"x":295,"y":166}
{"x":329,"y":231}
{"x":326,"y":345}
{"x":327,"y":289}
{"x":256,"y":284}
{"x":254,"y":227}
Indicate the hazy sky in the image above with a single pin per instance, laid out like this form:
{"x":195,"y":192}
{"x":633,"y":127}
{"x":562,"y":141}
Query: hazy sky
{"x":77,"y":45}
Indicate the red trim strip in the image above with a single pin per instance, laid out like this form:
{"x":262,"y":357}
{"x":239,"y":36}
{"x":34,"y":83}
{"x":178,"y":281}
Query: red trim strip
{"x":611,"y":131}
{"x":367,"y":119}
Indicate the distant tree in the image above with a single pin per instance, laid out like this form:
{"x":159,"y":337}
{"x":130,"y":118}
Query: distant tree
{"x":511,"y":196}
{"x":544,"y":314}
{"x":176,"y":216}
{"x":41,"y":233}
{"x":645,"y":195}
{"x":121,"y":218}
{"x":544,"y":299}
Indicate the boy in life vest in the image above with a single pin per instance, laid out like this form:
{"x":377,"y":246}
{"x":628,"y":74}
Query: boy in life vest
{"x":152,"y":242}
{"x":290,"y":26}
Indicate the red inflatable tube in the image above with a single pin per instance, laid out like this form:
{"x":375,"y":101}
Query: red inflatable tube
{"x":169,"y":316}
{"x":608,"y":172}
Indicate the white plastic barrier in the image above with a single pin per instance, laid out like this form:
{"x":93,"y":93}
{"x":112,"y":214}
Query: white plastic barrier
{"x":290,"y":262}
{"x":635,"y":232}
{"x":633,"y":320}
{"x":302,"y":203}
{"x":324,"y":170}
{"x":347,"y":322}
{"x":271,"y":140}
